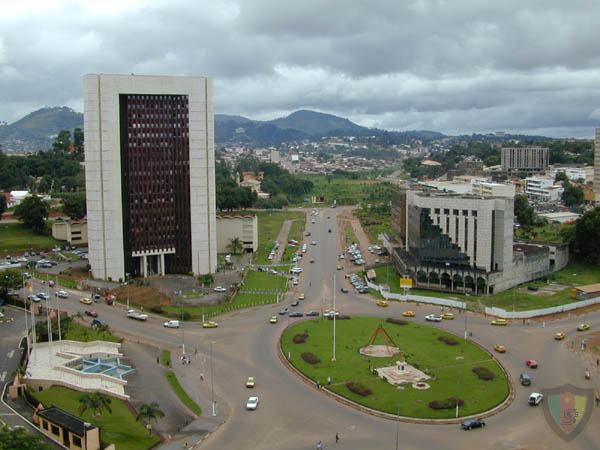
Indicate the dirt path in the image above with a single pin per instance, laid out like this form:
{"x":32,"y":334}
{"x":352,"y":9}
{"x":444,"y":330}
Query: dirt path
{"x":282,"y":238}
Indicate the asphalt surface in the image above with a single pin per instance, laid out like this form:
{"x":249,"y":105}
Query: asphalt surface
{"x":295,"y":415}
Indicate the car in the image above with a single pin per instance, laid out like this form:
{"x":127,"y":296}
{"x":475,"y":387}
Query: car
{"x":43,"y":296}
{"x":330,"y":313}
{"x":33,"y":298}
{"x":86,"y":301}
{"x":531,"y":363}
{"x":448,"y":316}
{"x":295,"y":282}
{"x":301,"y":296}
{"x":344,"y":290}
{"x":342,"y":256}
{"x":472,"y":423}
{"x":273,"y":319}
{"x":99,"y":323}
{"x":312,"y":261}
{"x":62,"y":294}
{"x":250,"y":382}
{"x":296,"y":270}
{"x":312,"y":313}
{"x":382,"y":303}
{"x":433,"y":318}
{"x":535,"y":398}
{"x":313,"y":242}
{"x":307,"y":233}
{"x":313,"y":221}
{"x":409,"y":314}
{"x":339,"y":267}
{"x":499,"y":322}
{"x":220,"y":289}
{"x":559,"y":336}
{"x":500,"y":348}
{"x":296,"y":314}
{"x":91,"y":313}
{"x":171,"y":324}
{"x":210,"y":324}
{"x":252,"y":403}
{"x":283,"y":312}
{"x":295,"y":303}
{"x":525,"y":379}
{"x":583,"y":327}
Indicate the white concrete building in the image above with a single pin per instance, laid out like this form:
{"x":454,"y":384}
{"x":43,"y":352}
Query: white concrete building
{"x":149,"y":160}
{"x":490,"y":189}
{"x":243,"y":227}
{"x":524,"y":159}
{"x":543,"y":189}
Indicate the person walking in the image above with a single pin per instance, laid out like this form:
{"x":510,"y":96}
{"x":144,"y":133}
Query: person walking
{"x":337,"y":437}
{"x":319,"y":445}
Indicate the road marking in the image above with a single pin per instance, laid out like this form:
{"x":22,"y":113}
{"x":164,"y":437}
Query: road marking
{"x":3,"y":376}
{"x":11,"y":354}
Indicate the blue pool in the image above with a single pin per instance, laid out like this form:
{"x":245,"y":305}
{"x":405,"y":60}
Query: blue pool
{"x":107,"y":366}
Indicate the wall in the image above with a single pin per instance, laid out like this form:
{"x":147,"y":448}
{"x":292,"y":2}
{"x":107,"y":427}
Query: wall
{"x":417,"y":298}
{"x":499,"y":312}
{"x":243,"y":227}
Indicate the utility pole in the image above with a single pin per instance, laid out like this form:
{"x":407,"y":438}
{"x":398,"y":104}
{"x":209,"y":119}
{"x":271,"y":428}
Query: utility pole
{"x":458,"y":358}
{"x":127,"y":282}
{"x":25,"y":305}
{"x":48,"y":311}
{"x":334,"y":314}
{"x":212,"y":382}
{"x":397,"y":427}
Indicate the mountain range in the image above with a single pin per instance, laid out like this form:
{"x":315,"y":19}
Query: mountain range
{"x":36,"y":130}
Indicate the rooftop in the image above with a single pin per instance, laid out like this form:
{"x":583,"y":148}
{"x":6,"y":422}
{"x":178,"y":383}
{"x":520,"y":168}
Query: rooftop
{"x":66,"y":420}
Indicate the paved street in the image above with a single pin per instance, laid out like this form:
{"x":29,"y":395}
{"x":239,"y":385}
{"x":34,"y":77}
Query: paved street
{"x":294,"y":415}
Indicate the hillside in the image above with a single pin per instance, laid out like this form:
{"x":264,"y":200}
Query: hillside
{"x":317,"y":124}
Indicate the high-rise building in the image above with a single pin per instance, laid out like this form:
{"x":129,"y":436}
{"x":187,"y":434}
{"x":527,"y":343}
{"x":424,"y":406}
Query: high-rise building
{"x":524,"y":159}
{"x":597,"y":166}
{"x":149,"y":164}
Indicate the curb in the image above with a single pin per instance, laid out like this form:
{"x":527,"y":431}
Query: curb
{"x":373,"y":412}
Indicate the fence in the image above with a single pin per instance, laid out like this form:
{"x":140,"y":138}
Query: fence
{"x":499,"y":312}
{"x":417,"y":298}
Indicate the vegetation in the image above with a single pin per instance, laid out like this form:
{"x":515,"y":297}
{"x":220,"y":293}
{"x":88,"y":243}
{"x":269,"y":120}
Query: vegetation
{"x":349,"y":188}
{"x":375,"y":219}
{"x":264,"y":281}
{"x":349,"y":235}
{"x":180,"y":392}
{"x":20,"y":439}
{"x":269,"y":224}
{"x":74,"y":205}
{"x":524,"y":213}
{"x":235,"y":245}
{"x":165,"y":358}
{"x":16,"y":238}
{"x":229,"y":195}
{"x":2,"y":205}
{"x":73,"y":331}
{"x":422,"y":350}
{"x":10,"y":279}
{"x":94,"y":402}
{"x":586,"y":241}
{"x":557,"y":233}
{"x":150,"y":412}
{"x":118,"y":427}
{"x":33,"y":212}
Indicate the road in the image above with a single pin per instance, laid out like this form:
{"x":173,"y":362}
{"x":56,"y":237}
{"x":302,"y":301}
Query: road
{"x":294,"y":415}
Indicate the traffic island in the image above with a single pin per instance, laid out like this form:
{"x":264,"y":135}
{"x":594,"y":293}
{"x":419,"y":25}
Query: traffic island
{"x":448,"y":369}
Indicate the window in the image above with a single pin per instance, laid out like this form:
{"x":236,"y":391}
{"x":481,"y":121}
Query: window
{"x":436,"y":210}
{"x":446,"y":211}
{"x":465,"y":212}
{"x":55,"y":430}
{"x":455,"y":212}
{"x":44,"y":425}
{"x":474,"y":213}
{"x":77,"y":441}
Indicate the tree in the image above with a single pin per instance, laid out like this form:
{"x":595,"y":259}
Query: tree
{"x":78,"y":141}
{"x":74,"y":205}
{"x":150,"y":412}
{"x":33,"y":212}
{"x":20,"y":439}
{"x":524,"y":212}
{"x":587,"y":236}
{"x":62,"y":141}
{"x":572,"y":195}
{"x":2,"y":204}
{"x":561,"y":176}
{"x":235,"y":245}
{"x":10,"y":279}
{"x":96,"y":402}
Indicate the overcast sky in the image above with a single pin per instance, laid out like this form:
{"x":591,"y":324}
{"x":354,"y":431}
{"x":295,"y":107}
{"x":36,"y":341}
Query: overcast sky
{"x":456,"y":66}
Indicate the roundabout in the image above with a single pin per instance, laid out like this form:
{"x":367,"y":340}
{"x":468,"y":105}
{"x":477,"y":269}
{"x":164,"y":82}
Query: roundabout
{"x":422,"y":380}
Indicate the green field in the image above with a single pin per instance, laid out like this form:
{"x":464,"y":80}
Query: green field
{"x":119,"y":428}
{"x":550,"y":232}
{"x":73,"y":331}
{"x":15,"y":238}
{"x":183,"y":396}
{"x":264,"y":281}
{"x":347,"y":191}
{"x":269,"y":225}
{"x":423,"y":350}
{"x":349,"y":234}
{"x":517,"y":298}
{"x":296,"y":233}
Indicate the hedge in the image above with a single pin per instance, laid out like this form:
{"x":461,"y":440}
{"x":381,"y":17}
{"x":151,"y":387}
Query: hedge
{"x":358,"y":388}
{"x":483,"y":373}
{"x":449,"y":403}
{"x":300,"y":338}
{"x":396,"y":321}
{"x":448,"y":340}
{"x":310,"y":358}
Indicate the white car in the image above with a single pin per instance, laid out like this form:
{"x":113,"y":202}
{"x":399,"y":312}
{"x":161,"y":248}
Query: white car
{"x":252,"y":403}
{"x":330,"y":313}
{"x":220,"y":289}
{"x":433,"y":318}
{"x":535,"y":398}
{"x":296,"y":270}
{"x":43,"y":295}
{"x":172,"y":324}
{"x":313,"y":243}
{"x":62,"y":294}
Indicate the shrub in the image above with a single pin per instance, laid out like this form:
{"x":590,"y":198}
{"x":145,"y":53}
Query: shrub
{"x":448,"y":340}
{"x":156,"y":309}
{"x":186,"y":316}
{"x":300,"y":338}
{"x":310,"y":358}
{"x":483,"y":373}
{"x":340,"y":317}
{"x":396,"y":321}
{"x":358,"y":388}
{"x":449,"y":403}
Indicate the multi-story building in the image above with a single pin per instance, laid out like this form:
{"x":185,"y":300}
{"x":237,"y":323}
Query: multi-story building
{"x":597,"y":166}
{"x":490,"y":189}
{"x":72,"y":231}
{"x":149,"y":157}
{"x":242,"y":227}
{"x":542,"y":189}
{"x":524,"y":159}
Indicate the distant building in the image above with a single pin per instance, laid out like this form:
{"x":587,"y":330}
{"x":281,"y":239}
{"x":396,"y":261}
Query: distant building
{"x":275,"y":157}
{"x":490,"y":189}
{"x":560,"y":217}
{"x":15,"y":198}
{"x":524,"y":159}
{"x":543,"y":189}
{"x":597,"y":166}
{"x":73,"y":231}
{"x":430,"y":163}
{"x":243,"y":227}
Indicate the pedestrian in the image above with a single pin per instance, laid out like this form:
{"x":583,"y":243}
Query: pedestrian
{"x":185,"y":444}
{"x":195,"y":350}
{"x":337,"y":437}
{"x":157,"y":360}
{"x":318,"y":384}
{"x":201,"y":376}
{"x":598,"y":363}
{"x":328,"y":380}
{"x":319,"y":445}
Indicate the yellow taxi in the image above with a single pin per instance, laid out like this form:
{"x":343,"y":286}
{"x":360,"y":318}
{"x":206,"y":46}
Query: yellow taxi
{"x":500,"y":348}
{"x":301,"y":296}
{"x":85,"y":301}
{"x":250,"y":382}
{"x":273,"y":319}
{"x":559,"y":336}
{"x":499,"y":322}
{"x":409,"y":314}
{"x":210,"y":324}
{"x":448,"y":316}
{"x":583,"y":327}
{"x":382,"y":303}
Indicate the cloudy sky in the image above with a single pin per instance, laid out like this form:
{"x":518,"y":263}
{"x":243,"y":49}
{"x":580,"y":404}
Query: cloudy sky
{"x":454,"y":66}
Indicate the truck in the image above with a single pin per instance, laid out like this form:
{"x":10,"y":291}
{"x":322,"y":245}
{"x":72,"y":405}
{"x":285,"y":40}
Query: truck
{"x":133,"y":314}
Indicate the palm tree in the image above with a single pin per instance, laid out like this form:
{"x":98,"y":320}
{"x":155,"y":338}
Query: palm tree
{"x":19,"y":373}
{"x":96,"y":402}
{"x":235,"y":246}
{"x":149,"y":412}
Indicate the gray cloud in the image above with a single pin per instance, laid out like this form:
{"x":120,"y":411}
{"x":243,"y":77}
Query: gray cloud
{"x":454,"y":66}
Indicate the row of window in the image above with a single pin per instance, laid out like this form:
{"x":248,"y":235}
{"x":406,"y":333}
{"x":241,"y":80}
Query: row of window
{"x":455,"y":212}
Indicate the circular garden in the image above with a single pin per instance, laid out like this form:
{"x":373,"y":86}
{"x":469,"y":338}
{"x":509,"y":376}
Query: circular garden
{"x":454,"y":370}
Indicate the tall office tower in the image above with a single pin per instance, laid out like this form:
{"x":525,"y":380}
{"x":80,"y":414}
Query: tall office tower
{"x":149,"y":165}
{"x":597,"y":166}
{"x":524,"y":159}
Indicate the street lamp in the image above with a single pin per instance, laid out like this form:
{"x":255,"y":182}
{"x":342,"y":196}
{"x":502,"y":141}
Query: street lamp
{"x":458,"y":358}
{"x":127,"y":283}
{"x":334,"y":314}
{"x":212,"y":382}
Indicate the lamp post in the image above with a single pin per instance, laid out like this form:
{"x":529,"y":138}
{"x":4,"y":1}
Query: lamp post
{"x":127,"y":283}
{"x":458,"y":358}
{"x":334,"y":314}
{"x":212,"y":382}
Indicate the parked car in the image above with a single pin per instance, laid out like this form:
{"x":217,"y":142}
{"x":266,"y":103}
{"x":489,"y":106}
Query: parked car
{"x":344,"y":290}
{"x":525,"y":379}
{"x":91,"y":313}
{"x":535,"y":398}
{"x":252,"y":403}
{"x":171,"y":324}
{"x":283,"y":312}
{"x":472,"y":423}
{"x":531,"y":363}
{"x":301,"y":296}
{"x":86,"y":301}
{"x":312,"y":313}
{"x":433,"y":318}
{"x":220,"y":289}
{"x":295,"y":303}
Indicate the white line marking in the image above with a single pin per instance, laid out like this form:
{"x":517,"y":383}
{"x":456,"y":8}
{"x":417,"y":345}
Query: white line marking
{"x":11,"y":354}
{"x":3,"y":376}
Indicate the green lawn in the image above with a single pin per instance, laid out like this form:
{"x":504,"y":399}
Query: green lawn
{"x":517,"y":298}
{"x":422,"y":350}
{"x":349,"y":234}
{"x":15,"y":238}
{"x":550,"y":232}
{"x":76,"y":332}
{"x":165,"y":358}
{"x":264,"y":281}
{"x":119,"y":428}
{"x":347,"y":191}
{"x":183,"y":396}
{"x":269,"y":224}
{"x":296,"y":233}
